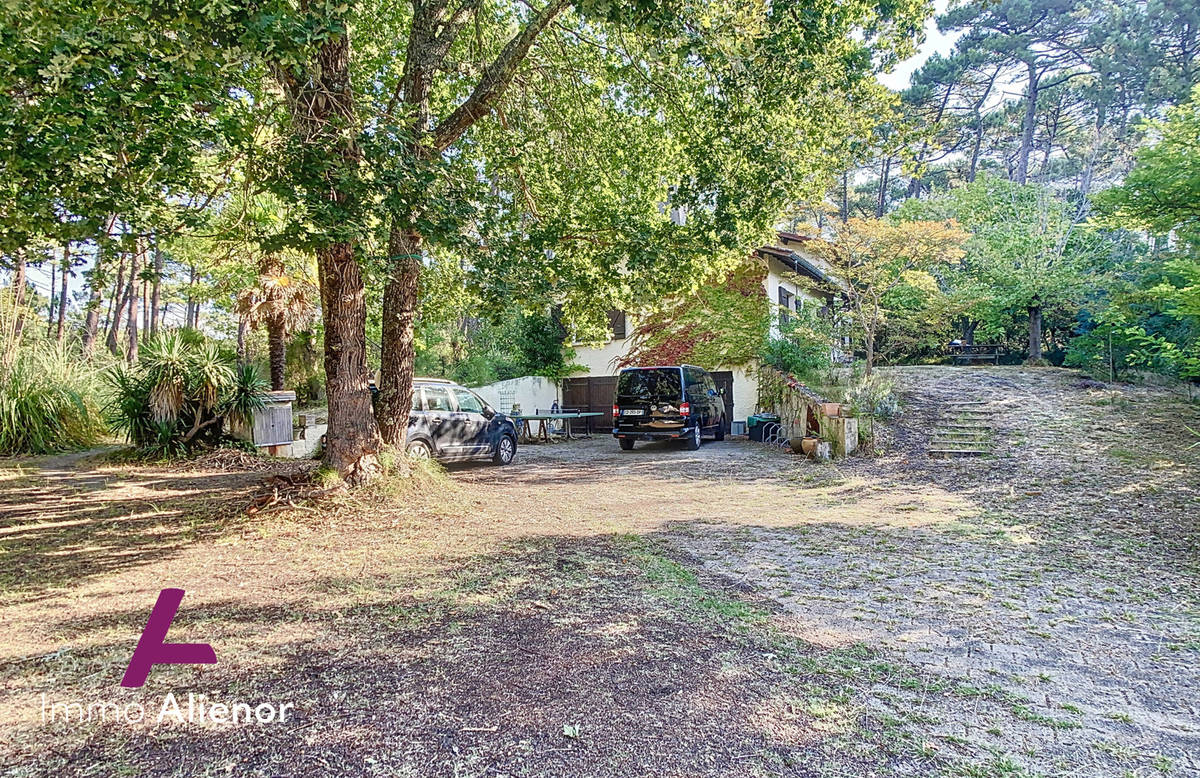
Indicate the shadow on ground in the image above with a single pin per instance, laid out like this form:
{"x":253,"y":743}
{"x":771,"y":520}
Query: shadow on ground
{"x":560,"y":657}
{"x":62,"y":523}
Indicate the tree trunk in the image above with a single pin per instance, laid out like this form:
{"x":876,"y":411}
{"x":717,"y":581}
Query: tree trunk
{"x":243,"y":327}
{"x":191,"y":314}
{"x":275,"y":320}
{"x":869,"y":342}
{"x":155,"y":293}
{"x":352,"y":439}
{"x":1028,"y":126}
{"x":845,"y":209}
{"x":977,"y":114}
{"x":400,"y":295}
{"x":914,"y":186}
{"x":145,"y":307}
{"x":62,"y":297}
{"x":119,"y":301}
{"x":973,"y":168}
{"x":131,"y":350}
{"x":870,"y":349}
{"x":881,"y":205}
{"x":18,"y":293}
{"x":276,"y":349}
{"x":322,"y":104}
{"x":91,"y":320}
{"x":1089,"y":168}
{"x":53,"y":299}
{"x":1035,"y":333}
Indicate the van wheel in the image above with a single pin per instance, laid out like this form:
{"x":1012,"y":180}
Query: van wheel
{"x":626,"y":444}
{"x":693,"y":441}
{"x":720,"y":430}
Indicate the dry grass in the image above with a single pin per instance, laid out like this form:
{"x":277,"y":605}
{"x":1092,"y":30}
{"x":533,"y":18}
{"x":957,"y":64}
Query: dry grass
{"x":592,"y":612}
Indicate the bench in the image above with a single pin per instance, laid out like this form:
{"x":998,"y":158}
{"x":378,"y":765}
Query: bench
{"x":963,"y":353}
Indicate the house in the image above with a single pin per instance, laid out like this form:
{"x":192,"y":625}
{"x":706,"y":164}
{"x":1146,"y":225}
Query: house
{"x":787,"y":262}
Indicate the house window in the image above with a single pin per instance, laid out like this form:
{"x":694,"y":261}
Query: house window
{"x":785,"y":305}
{"x":616,"y":324}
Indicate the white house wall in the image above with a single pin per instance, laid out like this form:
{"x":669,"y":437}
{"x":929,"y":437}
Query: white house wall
{"x":745,"y":392}
{"x":778,"y":274}
{"x":600,"y":359}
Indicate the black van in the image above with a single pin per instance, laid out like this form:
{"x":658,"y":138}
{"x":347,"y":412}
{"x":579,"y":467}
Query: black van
{"x":675,"y":401}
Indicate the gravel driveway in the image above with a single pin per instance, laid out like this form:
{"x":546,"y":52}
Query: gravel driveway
{"x":1051,"y":587}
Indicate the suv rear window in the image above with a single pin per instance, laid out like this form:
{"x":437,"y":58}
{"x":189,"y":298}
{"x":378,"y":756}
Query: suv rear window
{"x":657,"y":383}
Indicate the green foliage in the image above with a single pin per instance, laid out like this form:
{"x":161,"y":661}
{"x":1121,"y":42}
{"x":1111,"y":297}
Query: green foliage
{"x":1162,"y":192}
{"x":540,"y":349}
{"x":1153,"y":321}
{"x":304,"y":367}
{"x":48,"y":402}
{"x":113,"y":109}
{"x":179,"y":394}
{"x":720,"y":110}
{"x":870,"y":396}
{"x":245,"y":394}
{"x":803,"y":347}
{"x":918,"y":322}
{"x":876,"y":263}
{"x":721,"y":324}
{"x":1025,"y":248}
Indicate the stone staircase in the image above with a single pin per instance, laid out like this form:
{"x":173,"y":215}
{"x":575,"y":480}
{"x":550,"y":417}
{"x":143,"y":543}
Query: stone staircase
{"x":965,"y":430}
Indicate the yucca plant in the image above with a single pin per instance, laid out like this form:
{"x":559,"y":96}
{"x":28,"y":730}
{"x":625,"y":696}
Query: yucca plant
{"x":48,"y":402}
{"x":165,"y":361}
{"x":129,"y":411}
{"x":179,"y":395}
{"x":246,"y":394}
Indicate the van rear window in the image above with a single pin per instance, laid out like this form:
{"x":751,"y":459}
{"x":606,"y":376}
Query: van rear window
{"x":658,"y":383}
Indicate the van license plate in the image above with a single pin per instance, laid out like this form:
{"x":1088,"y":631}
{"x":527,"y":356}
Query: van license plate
{"x":631,"y":412}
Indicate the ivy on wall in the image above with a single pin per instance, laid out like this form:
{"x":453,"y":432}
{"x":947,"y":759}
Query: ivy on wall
{"x":723,"y":324}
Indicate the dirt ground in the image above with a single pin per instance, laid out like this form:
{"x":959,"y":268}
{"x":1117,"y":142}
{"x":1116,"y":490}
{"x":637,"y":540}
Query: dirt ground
{"x":734,"y":611}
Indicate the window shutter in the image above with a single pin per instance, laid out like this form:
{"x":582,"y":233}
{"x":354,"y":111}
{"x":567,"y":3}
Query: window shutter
{"x":616,"y":324}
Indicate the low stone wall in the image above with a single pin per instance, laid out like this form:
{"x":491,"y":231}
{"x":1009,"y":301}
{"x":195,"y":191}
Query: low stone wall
{"x":804,"y":413}
{"x":797,"y":406}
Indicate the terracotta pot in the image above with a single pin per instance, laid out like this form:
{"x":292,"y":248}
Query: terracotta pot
{"x":809,"y":445}
{"x":797,"y":445}
{"x":831,"y":409}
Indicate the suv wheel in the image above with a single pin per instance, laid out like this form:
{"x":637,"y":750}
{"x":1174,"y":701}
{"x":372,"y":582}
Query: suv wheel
{"x":693,"y":440}
{"x":626,"y":444}
{"x":720,"y":429}
{"x":506,"y":449}
{"x":418,"y":449}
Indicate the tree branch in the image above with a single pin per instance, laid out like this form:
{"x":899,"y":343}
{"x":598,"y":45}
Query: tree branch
{"x":496,"y":78}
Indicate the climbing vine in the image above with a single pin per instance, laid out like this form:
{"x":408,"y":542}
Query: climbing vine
{"x":720,"y":325}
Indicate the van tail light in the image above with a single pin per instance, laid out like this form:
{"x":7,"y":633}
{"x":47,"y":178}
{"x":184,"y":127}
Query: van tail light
{"x":685,"y":409}
{"x":616,"y":411}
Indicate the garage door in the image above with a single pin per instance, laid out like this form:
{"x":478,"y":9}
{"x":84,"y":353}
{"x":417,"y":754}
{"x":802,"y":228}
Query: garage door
{"x":594,"y":393}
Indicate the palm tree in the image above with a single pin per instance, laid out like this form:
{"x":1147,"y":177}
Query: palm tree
{"x":283,"y":302}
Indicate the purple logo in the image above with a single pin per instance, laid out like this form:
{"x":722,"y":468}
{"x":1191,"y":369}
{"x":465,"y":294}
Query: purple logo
{"x":153,"y":650}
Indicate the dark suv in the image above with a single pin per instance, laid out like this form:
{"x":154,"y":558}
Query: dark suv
{"x":450,"y":422}
{"x":679,"y":401}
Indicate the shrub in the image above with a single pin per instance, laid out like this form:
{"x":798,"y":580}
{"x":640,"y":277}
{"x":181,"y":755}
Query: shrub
{"x":872,"y":396}
{"x":179,"y":394}
{"x":48,"y":402}
{"x":803,"y":347}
